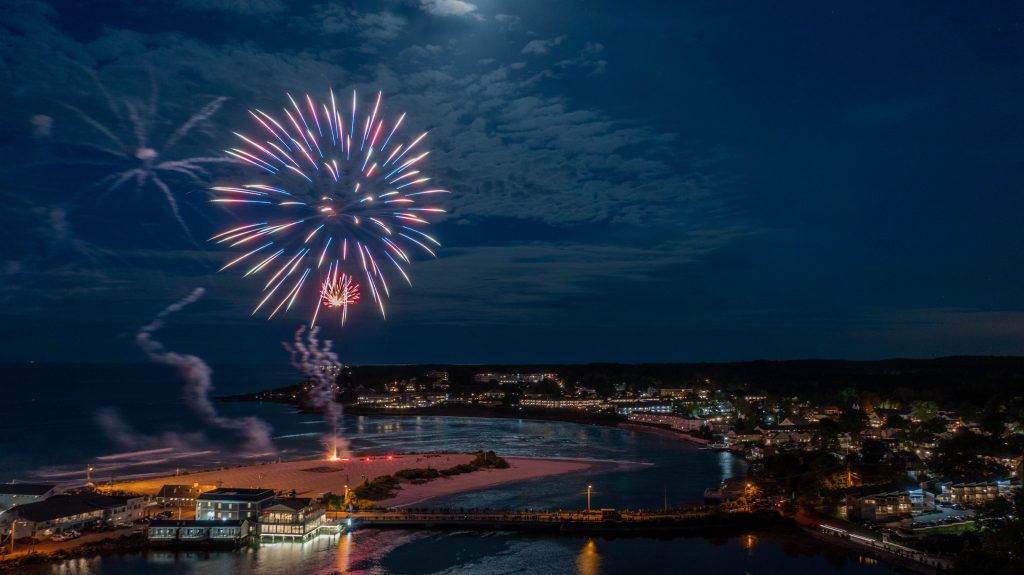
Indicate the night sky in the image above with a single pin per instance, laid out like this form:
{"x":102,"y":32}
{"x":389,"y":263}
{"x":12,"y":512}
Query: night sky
{"x":681,"y":181}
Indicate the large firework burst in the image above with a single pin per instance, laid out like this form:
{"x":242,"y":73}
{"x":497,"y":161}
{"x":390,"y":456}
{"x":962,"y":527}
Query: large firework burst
{"x":339,"y":196}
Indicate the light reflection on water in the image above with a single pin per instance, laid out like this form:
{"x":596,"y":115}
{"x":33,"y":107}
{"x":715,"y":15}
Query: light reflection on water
{"x":369,"y":552}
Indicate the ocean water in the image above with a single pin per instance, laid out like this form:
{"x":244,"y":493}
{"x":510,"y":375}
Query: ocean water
{"x":48,"y":430}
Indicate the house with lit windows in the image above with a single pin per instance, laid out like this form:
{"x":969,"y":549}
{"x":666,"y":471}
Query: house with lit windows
{"x":879,"y":503}
{"x":296,"y":519}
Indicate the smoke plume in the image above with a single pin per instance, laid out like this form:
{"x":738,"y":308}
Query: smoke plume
{"x":320,"y":365}
{"x":199,"y":383}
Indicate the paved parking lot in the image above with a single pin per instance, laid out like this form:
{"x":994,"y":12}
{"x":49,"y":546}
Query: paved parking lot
{"x":946,"y":516}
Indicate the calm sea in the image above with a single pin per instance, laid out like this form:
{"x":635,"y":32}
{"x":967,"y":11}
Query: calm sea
{"x":48,"y":431}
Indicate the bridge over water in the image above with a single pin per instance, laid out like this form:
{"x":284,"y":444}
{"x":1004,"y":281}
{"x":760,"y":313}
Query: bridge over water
{"x":566,"y":521}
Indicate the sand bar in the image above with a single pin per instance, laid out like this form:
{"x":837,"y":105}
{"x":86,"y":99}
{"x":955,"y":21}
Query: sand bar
{"x":313,"y":477}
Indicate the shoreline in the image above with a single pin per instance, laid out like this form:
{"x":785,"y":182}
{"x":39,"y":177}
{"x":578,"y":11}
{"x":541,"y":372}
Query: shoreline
{"x":455,"y":410}
{"x":664,"y":432}
{"x":520,"y":469}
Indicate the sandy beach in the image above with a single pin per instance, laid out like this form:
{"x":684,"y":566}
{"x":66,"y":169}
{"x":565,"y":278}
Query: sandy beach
{"x":313,"y":477}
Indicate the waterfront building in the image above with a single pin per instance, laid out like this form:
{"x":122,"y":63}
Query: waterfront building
{"x":180,"y":495}
{"x":199,"y":531}
{"x":677,"y":422}
{"x":232,"y":504}
{"x":401,"y":401}
{"x":733,"y":438}
{"x":78,"y":511}
{"x":645,"y":407}
{"x":499,"y":395}
{"x":296,"y":519}
{"x":12,"y":494}
{"x":580,"y":404}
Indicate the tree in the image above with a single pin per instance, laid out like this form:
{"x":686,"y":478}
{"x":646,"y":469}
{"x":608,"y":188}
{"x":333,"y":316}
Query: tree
{"x":1000,"y":548}
{"x":958,"y":457}
{"x":853,"y":421}
{"x":924,"y":410}
{"x":827,"y":435}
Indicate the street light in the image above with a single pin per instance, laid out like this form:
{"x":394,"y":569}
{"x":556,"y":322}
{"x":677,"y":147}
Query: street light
{"x":589,"y":487}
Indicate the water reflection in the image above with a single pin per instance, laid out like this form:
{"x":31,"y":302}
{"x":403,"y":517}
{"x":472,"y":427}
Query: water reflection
{"x":588,"y":561}
{"x":726,"y":465}
{"x":344,"y":544}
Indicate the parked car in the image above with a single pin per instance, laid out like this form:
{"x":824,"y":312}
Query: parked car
{"x":59,"y":537}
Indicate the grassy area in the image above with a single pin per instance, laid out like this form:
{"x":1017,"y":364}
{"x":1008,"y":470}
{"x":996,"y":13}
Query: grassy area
{"x":948,"y":529}
{"x":387,"y":486}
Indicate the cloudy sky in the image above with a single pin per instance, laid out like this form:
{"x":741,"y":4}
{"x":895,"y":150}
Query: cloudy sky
{"x":674,"y":182}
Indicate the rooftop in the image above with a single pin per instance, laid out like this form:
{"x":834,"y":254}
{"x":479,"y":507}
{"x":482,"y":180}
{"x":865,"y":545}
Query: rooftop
{"x":293,"y":503}
{"x":194,"y":523}
{"x":25,"y":488}
{"x":66,"y":505}
{"x":180,"y":491}
{"x":236,"y":494}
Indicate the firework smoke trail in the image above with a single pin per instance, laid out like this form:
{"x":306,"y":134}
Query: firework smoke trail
{"x":126,"y":146}
{"x":198,"y":382}
{"x":319,"y":363}
{"x":125,"y":436}
{"x":333,"y":194}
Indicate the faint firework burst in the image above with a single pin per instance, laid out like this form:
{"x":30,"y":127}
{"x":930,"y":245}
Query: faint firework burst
{"x":339,"y":196}
{"x":126,"y":144}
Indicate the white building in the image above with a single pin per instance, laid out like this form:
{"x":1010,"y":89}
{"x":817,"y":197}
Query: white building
{"x":232,"y":504}
{"x":560,"y":403}
{"x":646,"y":407}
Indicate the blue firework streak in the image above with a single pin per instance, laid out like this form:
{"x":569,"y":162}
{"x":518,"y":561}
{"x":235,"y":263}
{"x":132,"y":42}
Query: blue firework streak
{"x":340,"y":196}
